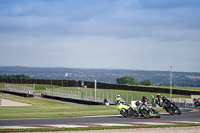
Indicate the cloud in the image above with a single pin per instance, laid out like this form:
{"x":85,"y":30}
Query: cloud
{"x":128,"y":34}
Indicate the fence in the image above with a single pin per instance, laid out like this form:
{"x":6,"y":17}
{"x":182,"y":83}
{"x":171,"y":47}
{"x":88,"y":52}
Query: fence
{"x":185,"y":105}
{"x":73,"y":83}
{"x":86,"y":94}
{"x":79,"y":93}
{"x":38,"y":93}
{"x":0,"y":99}
{"x":89,"y":95}
{"x":17,"y":88}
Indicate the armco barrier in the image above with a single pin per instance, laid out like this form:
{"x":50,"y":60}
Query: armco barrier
{"x":17,"y":93}
{"x":0,"y":98}
{"x":185,"y":105}
{"x":72,"y":100}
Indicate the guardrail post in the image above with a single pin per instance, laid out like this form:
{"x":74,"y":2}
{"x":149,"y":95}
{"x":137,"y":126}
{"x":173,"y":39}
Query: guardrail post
{"x":107,"y":95}
{"x":0,"y":99}
{"x":95,"y":89}
{"x":127,"y":98}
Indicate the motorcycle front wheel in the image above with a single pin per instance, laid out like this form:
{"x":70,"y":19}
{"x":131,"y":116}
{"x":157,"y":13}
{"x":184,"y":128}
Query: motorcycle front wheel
{"x":171,"y":111}
{"x":133,"y":112}
{"x":178,"y":112}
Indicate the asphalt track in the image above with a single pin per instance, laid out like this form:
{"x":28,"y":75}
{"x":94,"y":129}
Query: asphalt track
{"x":193,"y":116}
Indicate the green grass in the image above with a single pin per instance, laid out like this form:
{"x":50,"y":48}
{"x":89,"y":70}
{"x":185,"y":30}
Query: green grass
{"x":42,"y":87}
{"x":46,"y":108}
{"x":96,"y":128}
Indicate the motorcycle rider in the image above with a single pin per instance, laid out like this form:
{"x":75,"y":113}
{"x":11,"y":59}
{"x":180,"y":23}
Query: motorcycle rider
{"x":195,"y":101}
{"x":145,"y":100}
{"x":158,"y":100}
{"x":165,"y":100}
{"x":105,"y":102}
{"x":170,"y":107}
{"x":119,"y":100}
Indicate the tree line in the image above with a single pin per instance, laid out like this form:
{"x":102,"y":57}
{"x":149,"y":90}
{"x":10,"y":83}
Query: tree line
{"x":131,"y":81}
{"x":22,"y":76}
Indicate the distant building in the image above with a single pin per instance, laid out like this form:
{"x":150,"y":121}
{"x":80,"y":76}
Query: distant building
{"x":66,"y":74}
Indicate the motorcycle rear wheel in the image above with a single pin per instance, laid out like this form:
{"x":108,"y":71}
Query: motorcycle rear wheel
{"x":124,"y":113}
{"x":158,"y":115}
{"x":145,"y":114}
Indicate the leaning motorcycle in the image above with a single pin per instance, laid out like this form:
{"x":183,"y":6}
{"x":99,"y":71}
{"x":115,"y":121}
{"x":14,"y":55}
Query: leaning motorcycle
{"x":197,"y":102}
{"x":126,"y":110}
{"x":145,"y":111}
{"x":170,"y":107}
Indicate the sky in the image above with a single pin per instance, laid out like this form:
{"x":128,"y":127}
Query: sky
{"x":111,"y":34}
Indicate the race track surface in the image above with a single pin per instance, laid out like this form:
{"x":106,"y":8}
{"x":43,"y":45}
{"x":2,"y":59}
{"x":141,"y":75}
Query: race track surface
{"x":186,"y":117}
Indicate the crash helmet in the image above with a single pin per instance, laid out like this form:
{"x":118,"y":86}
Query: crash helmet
{"x":145,"y":100}
{"x":164,"y":98}
{"x":137,"y":103}
{"x":118,"y":96}
{"x":158,"y":96}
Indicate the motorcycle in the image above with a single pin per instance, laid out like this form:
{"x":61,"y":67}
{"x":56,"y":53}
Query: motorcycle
{"x":197,"y":102}
{"x":170,"y":107}
{"x":145,"y":111}
{"x":126,"y":110}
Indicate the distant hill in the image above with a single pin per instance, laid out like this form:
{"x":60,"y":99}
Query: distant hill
{"x":157,"y":78}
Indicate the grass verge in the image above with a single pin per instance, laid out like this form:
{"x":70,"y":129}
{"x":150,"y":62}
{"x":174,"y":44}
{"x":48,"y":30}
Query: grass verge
{"x":46,"y":108}
{"x":95,"y":128}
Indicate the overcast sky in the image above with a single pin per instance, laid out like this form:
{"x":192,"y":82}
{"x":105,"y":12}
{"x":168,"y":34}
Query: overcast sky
{"x":124,"y":34}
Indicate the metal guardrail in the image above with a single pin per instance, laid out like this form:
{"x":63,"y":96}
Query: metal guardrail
{"x":0,"y":99}
{"x":185,"y":105}
{"x":17,"y":88}
{"x":84,"y":94}
{"x":89,"y":95}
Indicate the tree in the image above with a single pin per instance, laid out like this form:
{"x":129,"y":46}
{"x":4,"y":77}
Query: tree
{"x":15,"y":77}
{"x":125,"y":80}
{"x":145,"y":82}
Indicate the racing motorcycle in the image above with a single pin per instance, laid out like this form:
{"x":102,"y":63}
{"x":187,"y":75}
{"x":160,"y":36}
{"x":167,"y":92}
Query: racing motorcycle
{"x":197,"y":102}
{"x":170,"y":107}
{"x":145,"y":111}
{"x":126,"y":110}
